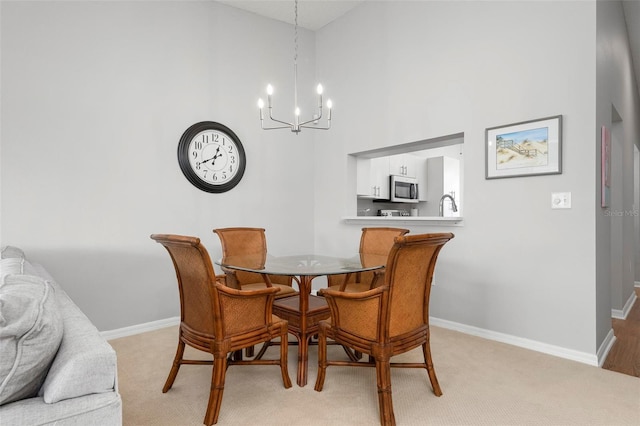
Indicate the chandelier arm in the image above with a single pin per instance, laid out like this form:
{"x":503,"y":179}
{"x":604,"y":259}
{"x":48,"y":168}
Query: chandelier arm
{"x":280,"y":121}
{"x":318,"y":128}
{"x":277,"y":127}
{"x":313,"y":119}
{"x":308,"y":121}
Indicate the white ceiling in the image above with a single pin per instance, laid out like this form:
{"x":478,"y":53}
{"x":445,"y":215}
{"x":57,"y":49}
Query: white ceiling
{"x":315,"y":14}
{"x":312,"y":14}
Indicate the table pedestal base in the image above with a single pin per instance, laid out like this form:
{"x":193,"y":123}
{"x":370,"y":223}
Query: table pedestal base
{"x":302,"y":326}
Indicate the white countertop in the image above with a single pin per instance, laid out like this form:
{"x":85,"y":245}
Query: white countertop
{"x":408,"y":220}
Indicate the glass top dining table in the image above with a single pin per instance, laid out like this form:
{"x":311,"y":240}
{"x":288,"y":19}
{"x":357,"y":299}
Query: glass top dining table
{"x":305,"y":267}
{"x":311,"y":265}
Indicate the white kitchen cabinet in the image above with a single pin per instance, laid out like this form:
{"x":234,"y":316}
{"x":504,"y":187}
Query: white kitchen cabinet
{"x":380,"y":176}
{"x":443,"y":177}
{"x":403,"y":165}
{"x":373,"y":177}
{"x":364,"y":187}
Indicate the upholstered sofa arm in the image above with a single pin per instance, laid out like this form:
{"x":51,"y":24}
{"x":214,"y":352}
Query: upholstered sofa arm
{"x":85,"y":363}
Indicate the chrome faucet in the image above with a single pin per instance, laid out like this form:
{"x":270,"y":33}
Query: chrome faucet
{"x":453,"y":204}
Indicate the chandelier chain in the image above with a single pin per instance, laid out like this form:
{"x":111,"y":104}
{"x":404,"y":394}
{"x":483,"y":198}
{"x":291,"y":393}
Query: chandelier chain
{"x":295,"y":37}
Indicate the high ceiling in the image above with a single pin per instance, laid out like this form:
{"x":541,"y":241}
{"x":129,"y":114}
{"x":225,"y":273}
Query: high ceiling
{"x":315,"y":14}
{"x":312,"y":14}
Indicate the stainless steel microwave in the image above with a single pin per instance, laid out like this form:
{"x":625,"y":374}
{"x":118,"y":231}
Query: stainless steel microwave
{"x":403,"y":189}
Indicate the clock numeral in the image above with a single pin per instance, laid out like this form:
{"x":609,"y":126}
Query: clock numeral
{"x":214,"y":137}
{"x":204,"y":175}
{"x":232,"y":159}
{"x":198,"y":145}
{"x":230,"y":150}
{"x":195,"y":154}
{"x":197,"y":165}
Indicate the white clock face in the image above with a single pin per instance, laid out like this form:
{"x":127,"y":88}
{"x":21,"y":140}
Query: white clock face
{"x":214,"y":157}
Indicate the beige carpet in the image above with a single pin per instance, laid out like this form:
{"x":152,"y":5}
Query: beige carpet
{"x":483,"y":383}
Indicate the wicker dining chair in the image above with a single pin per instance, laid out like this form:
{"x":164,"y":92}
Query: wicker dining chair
{"x":250,"y":241}
{"x":388,"y":320}
{"x":373,"y":241}
{"x":218,"y":319}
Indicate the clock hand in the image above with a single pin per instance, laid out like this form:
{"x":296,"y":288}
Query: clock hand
{"x":214,"y":157}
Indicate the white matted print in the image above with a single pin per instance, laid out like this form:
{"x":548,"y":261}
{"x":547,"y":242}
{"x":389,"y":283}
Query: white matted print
{"x":529,"y":148}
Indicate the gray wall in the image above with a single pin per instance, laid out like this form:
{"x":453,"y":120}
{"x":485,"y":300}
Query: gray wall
{"x":95,"y":96}
{"x":427,"y":69}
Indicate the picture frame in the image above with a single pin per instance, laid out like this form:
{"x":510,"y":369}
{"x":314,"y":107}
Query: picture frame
{"x":527,"y":148}
{"x":605,"y":167}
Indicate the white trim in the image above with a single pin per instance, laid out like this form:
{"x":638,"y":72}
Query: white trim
{"x":622,"y":314}
{"x":140,"y":328}
{"x":605,"y":347}
{"x":584,"y":357}
{"x":636,"y":283}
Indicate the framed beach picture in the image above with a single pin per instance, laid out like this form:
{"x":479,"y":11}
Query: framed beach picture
{"x":528,"y":148}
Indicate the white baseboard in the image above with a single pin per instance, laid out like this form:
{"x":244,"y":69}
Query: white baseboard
{"x":140,"y":328}
{"x":622,"y":314}
{"x":636,"y":283}
{"x":605,"y":347}
{"x":583,"y":357}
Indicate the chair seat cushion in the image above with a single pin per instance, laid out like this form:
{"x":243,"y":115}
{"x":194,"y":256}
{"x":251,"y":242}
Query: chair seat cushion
{"x":30,"y":333}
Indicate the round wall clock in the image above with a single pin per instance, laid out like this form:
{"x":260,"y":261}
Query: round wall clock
{"x":211,"y":157}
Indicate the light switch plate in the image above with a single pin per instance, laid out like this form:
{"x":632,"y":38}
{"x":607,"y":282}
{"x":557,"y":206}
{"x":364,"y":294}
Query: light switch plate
{"x":560,"y":200}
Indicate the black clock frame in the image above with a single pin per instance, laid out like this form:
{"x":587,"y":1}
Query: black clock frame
{"x":183,"y":157}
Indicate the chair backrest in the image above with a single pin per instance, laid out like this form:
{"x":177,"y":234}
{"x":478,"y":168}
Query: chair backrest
{"x":243,"y":241}
{"x":237,"y":241}
{"x":196,"y":280}
{"x":247,"y":241}
{"x":409,"y":273}
{"x":379,"y":240}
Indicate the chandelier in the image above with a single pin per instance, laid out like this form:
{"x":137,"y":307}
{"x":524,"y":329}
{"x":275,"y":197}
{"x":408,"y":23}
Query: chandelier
{"x":296,"y":126}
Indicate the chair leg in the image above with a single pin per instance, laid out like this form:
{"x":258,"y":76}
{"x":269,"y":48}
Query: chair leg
{"x":426,"y":352}
{"x":177,"y":361}
{"x":249,"y":352}
{"x":322,"y":360}
{"x":284,"y":351}
{"x":385,"y":403}
{"x":217,"y":389}
{"x":262,"y":350}
{"x":354,"y":356}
